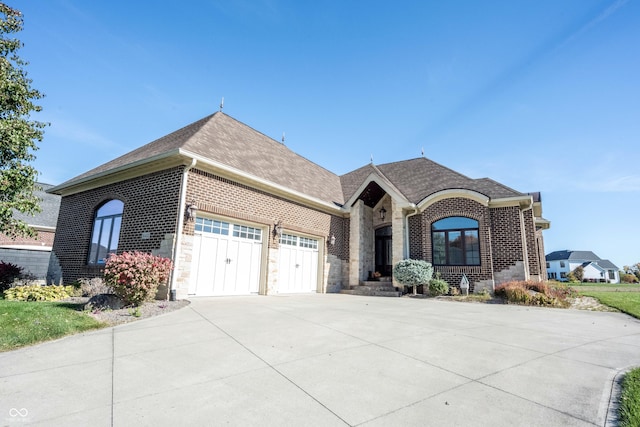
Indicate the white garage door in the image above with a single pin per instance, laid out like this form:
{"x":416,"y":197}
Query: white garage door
{"x":298,"y":267}
{"x":226,"y":258}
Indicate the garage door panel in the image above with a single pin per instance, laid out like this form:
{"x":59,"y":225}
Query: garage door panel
{"x":298,"y":265}
{"x":225,"y":263}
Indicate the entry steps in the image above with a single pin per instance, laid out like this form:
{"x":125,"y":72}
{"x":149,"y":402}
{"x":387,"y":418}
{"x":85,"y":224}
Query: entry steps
{"x":382,"y":288}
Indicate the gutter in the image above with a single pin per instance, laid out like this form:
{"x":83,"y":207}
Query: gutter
{"x":178,"y":240}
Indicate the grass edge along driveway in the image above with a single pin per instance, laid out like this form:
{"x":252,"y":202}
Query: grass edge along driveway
{"x":27,"y":323}
{"x":625,"y":298}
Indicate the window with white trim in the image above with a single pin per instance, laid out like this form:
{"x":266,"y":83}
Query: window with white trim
{"x":246,"y":232}
{"x":213,"y":226}
{"x":288,"y":239}
{"x":305,"y":242}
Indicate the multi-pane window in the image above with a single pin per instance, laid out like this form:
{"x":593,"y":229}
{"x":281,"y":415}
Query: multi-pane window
{"x":246,"y":232}
{"x":301,"y":242}
{"x":455,"y":241}
{"x":612,"y":274}
{"x":288,"y":239}
{"x":106,"y":231}
{"x":305,"y":242}
{"x":206,"y":225}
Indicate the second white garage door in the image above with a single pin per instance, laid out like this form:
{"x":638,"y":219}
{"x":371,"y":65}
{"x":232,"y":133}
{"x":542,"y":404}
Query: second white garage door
{"x":298,"y":266}
{"x":226,"y":258}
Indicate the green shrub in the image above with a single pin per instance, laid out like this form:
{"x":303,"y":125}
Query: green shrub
{"x":578,"y":273}
{"x":8,"y":273}
{"x":38,"y":293}
{"x":413,"y":272}
{"x":135,"y":276}
{"x":438,"y":287}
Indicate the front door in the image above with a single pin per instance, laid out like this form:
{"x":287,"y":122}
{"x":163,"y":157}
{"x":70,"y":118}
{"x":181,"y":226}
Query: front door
{"x":383,"y":251}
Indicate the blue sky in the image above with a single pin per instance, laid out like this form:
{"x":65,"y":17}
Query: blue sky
{"x":539,"y":95}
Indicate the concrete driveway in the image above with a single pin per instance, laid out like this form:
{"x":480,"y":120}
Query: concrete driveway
{"x":327,"y":360}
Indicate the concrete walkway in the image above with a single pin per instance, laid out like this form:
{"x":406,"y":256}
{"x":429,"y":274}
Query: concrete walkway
{"x":326,"y":360}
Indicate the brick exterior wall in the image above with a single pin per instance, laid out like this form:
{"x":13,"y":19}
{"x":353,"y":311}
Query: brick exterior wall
{"x":416,"y":238}
{"x":506,"y":237}
{"x":532,"y":246}
{"x":221,"y":196}
{"x":420,"y":225}
{"x":150,"y":205}
{"x":44,"y":238}
{"x":501,"y":242}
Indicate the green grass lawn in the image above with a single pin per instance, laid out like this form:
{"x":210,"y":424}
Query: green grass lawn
{"x":630,"y":399}
{"x":25,"y":323}
{"x":625,"y":298}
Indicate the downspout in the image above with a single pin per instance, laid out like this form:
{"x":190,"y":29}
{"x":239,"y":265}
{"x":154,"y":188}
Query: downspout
{"x":178,"y":240}
{"x":407,"y":247}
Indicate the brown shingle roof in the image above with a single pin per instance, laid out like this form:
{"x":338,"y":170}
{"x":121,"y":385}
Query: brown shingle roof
{"x":222,"y":139}
{"x":421,"y":177}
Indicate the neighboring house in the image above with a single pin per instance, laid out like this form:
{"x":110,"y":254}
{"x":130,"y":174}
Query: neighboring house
{"x":32,"y":254}
{"x":561,"y":263}
{"x":240,"y":213}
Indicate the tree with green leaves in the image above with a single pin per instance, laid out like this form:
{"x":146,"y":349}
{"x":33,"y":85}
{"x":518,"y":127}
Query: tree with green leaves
{"x":19,"y":133}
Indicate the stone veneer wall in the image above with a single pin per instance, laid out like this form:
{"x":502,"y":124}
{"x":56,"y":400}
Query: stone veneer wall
{"x":541,"y":254}
{"x":223,"y":197}
{"x":150,"y":205}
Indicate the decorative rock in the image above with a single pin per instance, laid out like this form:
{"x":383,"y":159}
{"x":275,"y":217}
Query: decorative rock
{"x":104,"y":301}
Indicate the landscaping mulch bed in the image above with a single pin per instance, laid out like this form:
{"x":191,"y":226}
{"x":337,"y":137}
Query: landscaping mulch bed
{"x":129,"y":314}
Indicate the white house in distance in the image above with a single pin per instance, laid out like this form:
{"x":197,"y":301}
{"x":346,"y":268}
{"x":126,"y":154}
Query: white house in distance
{"x":561,"y":263}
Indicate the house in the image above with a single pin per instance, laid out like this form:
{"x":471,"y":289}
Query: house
{"x":240,"y":213}
{"x":561,"y":263}
{"x":32,"y":254}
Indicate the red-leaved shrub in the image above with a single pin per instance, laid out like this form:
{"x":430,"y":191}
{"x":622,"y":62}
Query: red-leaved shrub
{"x":135,"y":276}
{"x":8,"y":273}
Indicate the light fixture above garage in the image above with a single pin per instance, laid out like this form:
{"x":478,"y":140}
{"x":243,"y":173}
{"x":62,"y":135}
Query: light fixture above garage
{"x":383,"y":213}
{"x":191,"y":210}
{"x":277,"y":229}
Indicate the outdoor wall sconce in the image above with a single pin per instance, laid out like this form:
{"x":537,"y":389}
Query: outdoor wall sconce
{"x":191,"y":210}
{"x":383,"y":213}
{"x":332,"y":240}
{"x":277,"y":229}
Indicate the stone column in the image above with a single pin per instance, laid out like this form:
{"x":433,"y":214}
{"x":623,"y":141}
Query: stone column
{"x":355,"y":231}
{"x":398,"y":234}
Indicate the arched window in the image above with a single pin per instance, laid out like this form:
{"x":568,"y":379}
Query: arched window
{"x":106,"y":231}
{"x":455,"y":241}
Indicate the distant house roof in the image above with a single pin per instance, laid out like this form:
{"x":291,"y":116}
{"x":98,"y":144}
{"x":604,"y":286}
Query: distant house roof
{"x":580,"y":256}
{"x":572,"y":255}
{"x":49,"y":205}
